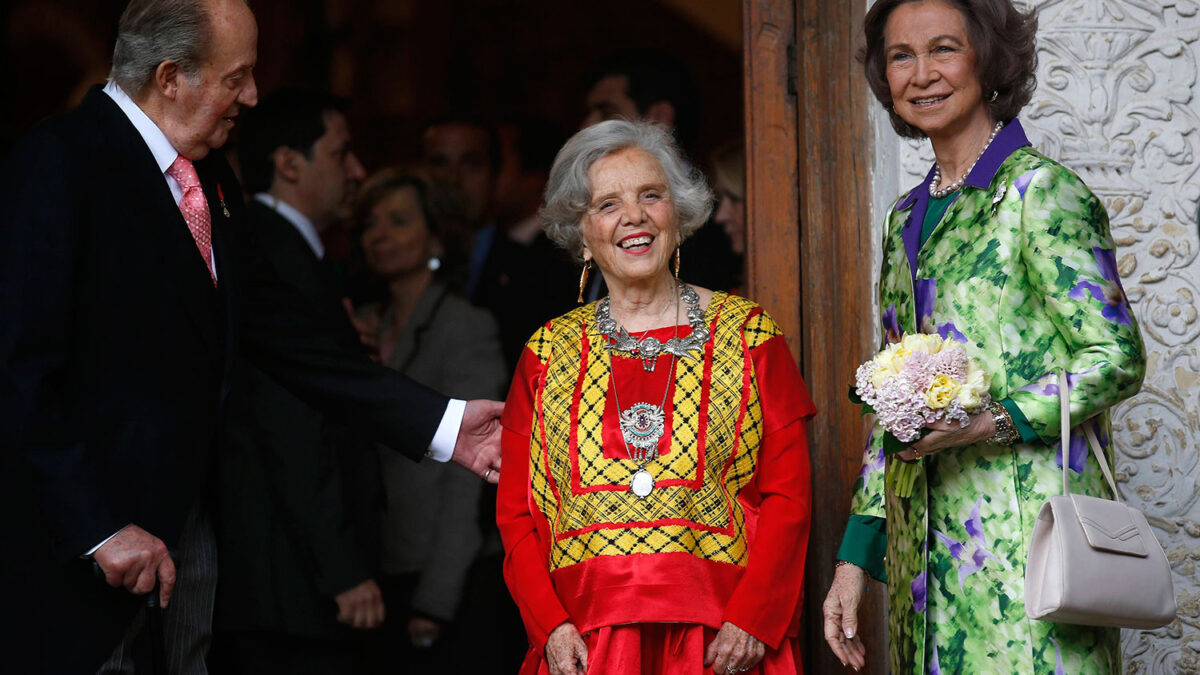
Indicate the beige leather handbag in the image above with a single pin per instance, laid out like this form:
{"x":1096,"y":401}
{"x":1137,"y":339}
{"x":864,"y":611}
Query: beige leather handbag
{"x":1095,"y":561}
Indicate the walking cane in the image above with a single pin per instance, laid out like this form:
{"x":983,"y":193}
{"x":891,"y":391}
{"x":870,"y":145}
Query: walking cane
{"x":153,"y":632}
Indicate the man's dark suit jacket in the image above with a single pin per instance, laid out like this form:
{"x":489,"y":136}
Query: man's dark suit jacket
{"x":299,"y":496}
{"x":524,"y":287}
{"x":115,"y":363}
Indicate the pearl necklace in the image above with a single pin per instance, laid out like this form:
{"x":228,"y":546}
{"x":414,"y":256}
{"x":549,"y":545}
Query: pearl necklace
{"x":957,"y":185}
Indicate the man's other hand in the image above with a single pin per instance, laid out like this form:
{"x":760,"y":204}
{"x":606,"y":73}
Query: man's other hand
{"x":478,"y":444}
{"x":137,"y":560}
{"x":361,"y":607}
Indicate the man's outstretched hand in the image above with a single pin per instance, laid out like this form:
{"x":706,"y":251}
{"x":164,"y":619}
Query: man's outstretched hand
{"x":478,"y":445}
{"x":137,"y":560}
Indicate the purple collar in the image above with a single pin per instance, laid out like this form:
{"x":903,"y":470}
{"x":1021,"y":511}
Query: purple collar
{"x":1011,"y":137}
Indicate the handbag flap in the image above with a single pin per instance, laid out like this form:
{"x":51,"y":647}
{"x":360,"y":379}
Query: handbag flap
{"x":1109,"y":526}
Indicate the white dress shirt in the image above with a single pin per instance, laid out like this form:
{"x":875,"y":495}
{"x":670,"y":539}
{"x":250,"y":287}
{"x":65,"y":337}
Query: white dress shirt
{"x":298,"y":220}
{"x":441,"y":448}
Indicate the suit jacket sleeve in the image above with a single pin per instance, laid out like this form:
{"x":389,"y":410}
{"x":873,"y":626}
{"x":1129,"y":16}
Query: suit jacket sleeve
{"x":38,"y":250}
{"x":313,"y":351}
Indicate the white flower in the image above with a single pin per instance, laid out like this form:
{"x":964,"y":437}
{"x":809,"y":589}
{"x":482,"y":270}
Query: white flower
{"x":975,"y":388}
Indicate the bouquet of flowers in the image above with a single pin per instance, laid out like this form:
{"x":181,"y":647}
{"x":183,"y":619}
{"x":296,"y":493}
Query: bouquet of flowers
{"x":917,"y":380}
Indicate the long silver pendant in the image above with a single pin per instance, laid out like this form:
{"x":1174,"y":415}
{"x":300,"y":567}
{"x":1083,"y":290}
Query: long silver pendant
{"x":642,"y":426}
{"x":642,"y":483}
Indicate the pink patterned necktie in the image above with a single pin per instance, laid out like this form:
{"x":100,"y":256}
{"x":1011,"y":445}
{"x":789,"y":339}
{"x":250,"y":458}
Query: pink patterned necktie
{"x":194,"y":208}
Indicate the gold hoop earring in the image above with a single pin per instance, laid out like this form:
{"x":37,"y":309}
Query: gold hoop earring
{"x":583,"y":279}
{"x":677,"y":265}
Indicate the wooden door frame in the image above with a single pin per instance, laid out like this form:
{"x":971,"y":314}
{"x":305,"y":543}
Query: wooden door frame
{"x":809,"y":252}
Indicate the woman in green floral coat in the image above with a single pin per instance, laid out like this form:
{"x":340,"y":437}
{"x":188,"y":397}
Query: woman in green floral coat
{"x":1009,"y":253}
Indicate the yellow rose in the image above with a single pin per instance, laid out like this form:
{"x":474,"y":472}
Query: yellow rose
{"x":920,"y":342}
{"x":941,"y":392}
{"x":887,"y":363}
{"x":970,"y":396}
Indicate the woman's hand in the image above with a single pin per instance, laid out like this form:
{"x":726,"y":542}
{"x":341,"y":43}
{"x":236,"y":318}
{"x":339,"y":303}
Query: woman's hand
{"x":943,"y":434}
{"x":566,"y":653}
{"x":841,"y":615}
{"x":733,"y":650}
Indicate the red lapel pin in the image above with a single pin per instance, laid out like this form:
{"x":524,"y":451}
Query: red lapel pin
{"x":221,"y":197}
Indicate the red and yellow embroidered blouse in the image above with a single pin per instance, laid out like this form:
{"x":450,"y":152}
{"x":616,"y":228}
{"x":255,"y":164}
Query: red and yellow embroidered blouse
{"x":723,"y":535}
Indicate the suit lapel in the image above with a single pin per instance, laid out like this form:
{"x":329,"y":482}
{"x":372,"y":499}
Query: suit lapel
{"x":182,"y":263}
{"x":422,"y":316}
{"x":223,"y":252}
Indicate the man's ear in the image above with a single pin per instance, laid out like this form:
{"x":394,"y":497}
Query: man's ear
{"x":166,"y":79}
{"x":662,"y":112}
{"x":287,"y":164}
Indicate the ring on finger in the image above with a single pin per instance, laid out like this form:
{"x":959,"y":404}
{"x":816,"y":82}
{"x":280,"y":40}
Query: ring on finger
{"x":487,"y":474}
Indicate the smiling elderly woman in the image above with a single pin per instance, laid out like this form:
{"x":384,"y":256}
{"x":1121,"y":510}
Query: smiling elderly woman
{"x":655,"y":498}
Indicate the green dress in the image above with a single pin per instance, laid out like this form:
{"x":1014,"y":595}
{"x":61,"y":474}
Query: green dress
{"x":1021,"y":269}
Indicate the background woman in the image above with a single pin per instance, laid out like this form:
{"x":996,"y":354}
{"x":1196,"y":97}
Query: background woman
{"x":1009,"y":253}
{"x":654,"y":503}
{"x":729,"y":173}
{"x":430,"y":532}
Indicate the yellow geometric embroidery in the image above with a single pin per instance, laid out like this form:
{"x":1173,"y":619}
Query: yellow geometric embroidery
{"x":717,"y":460}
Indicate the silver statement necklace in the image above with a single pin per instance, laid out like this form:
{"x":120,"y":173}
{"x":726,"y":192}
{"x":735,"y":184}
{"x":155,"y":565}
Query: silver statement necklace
{"x":957,"y":185}
{"x":643,"y":424}
{"x":649,"y":348}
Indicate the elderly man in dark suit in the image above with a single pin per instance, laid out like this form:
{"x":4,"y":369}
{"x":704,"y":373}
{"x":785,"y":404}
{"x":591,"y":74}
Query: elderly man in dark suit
{"x":126,"y":285}
{"x":299,"y":495}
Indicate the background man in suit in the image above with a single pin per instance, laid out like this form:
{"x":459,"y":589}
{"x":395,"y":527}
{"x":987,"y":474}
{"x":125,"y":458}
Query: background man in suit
{"x":462,"y":155}
{"x":649,"y":84}
{"x":298,"y":494}
{"x":125,"y":286}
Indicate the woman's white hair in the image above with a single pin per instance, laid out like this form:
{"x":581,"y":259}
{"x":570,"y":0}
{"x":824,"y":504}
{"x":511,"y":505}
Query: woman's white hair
{"x":569,"y":193}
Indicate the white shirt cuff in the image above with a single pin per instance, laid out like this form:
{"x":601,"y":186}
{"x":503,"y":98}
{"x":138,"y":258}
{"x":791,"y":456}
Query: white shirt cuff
{"x":97,"y":546}
{"x":441,"y":449}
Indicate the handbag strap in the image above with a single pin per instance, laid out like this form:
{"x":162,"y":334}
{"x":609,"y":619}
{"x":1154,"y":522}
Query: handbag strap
{"x":1092,"y":441}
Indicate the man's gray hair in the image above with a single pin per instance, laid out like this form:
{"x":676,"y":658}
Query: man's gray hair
{"x":153,"y":31}
{"x":569,"y":193}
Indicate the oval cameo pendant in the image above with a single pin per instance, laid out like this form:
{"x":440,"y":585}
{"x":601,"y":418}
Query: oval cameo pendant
{"x":642,"y":483}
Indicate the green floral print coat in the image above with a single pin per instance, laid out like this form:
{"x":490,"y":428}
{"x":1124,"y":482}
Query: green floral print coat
{"x":1022,"y":270}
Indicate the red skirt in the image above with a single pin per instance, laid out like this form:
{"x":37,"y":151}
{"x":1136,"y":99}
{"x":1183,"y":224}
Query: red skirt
{"x":662,"y":648}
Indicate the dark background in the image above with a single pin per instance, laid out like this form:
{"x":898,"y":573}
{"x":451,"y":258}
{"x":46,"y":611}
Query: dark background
{"x":404,"y":62}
